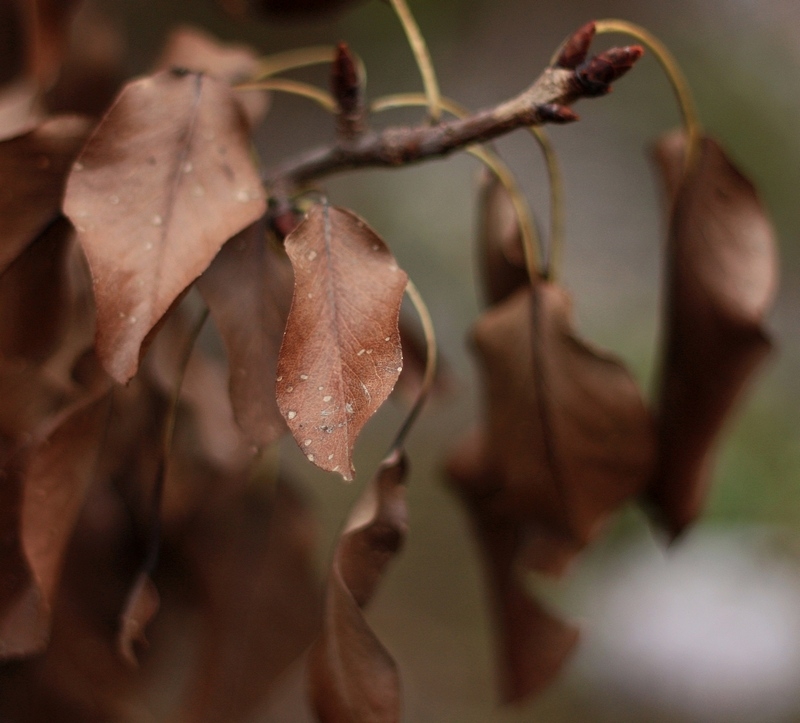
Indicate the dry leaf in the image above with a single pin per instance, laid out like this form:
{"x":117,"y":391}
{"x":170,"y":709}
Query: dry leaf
{"x":20,"y":109}
{"x":501,"y":260}
{"x":568,"y":436}
{"x":35,"y":302}
{"x":721,"y":279}
{"x":52,"y":486}
{"x":353,"y":677}
{"x":249,"y":274}
{"x":163,"y":182}
{"x":250,"y":558}
{"x":94,"y":67}
{"x":33,"y":171}
{"x":195,"y":50}
{"x":140,"y":608}
{"x":341,"y":354}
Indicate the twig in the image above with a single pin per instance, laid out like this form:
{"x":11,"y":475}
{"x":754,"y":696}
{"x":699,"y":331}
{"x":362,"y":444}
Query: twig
{"x":546,"y":101}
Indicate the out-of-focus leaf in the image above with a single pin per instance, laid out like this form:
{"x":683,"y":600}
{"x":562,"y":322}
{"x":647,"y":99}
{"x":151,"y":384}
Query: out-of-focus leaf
{"x":248,"y":274}
{"x":295,"y":9}
{"x":721,"y":279}
{"x":163,"y":182}
{"x":140,"y":608}
{"x":568,"y":436}
{"x":204,"y":393}
{"x":415,"y":359}
{"x":501,"y":260}
{"x":198,"y":51}
{"x":20,"y":109}
{"x":52,"y":486}
{"x":532,"y":645}
{"x":353,"y":677}
{"x":48,"y":28}
{"x":94,"y":67}
{"x":35,"y":303}
{"x":33,"y":171}
{"x":341,"y":353}
{"x":250,"y":560}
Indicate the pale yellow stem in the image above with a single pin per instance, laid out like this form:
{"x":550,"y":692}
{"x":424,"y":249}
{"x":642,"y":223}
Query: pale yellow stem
{"x":293,"y":87}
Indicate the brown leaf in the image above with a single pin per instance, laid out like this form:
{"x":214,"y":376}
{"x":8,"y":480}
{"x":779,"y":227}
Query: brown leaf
{"x":35,"y":303}
{"x":163,"y":182}
{"x":195,"y":50}
{"x":48,"y":26}
{"x":249,"y":274}
{"x":501,"y":260}
{"x":721,"y":279}
{"x":341,"y":353}
{"x":140,"y":608}
{"x":353,"y":678}
{"x":20,"y":109}
{"x":94,"y":67}
{"x":52,"y":486}
{"x":568,"y":436}
{"x":532,"y":644}
{"x":33,"y":171}
{"x":250,"y":558}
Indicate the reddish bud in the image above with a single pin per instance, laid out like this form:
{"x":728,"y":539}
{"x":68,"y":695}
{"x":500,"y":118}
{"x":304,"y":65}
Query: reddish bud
{"x":596,"y":74}
{"x":555,"y":113}
{"x":348,"y":92}
{"x":576,"y":47}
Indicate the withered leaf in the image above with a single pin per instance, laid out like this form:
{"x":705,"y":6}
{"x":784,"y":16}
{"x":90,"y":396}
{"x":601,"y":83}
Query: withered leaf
{"x":52,"y":484}
{"x":532,"y":645}
{"x":20,"y":109}
{"x":195,"y":50}
{"x":140,"y":608}
{"x":501,"y":260}
{"x":568,"y":435}
{"x":721,"y":279}
{"x":353,"y":677}
{"x":250,"y":561}
{"x":248,"y":290}
{"x":341,"y":353}
{"x":94,"y":66}
{"x":163,"y":182}
{"x":48,"y":26}
{"x":35,"y":303}
{"x":33,"y":171}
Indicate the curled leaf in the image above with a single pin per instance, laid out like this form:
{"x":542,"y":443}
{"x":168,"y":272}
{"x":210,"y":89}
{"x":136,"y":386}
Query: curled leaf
{"x":353,"y":677}
{"x":140,"y":608}
{"x":190,"y":48}
{"x":341,"y":353}
{"x":33,"y":172}
{"x":501,"y":260}
{"x":52,"y":485}
{"x":250,"y":560}
{"x":532,"y":645}
{"x":35,"y":302}
{"x":164,"y":181}
{"x":568,"y":436}
{"x":249,"y":274}
{"x":721,"y":279}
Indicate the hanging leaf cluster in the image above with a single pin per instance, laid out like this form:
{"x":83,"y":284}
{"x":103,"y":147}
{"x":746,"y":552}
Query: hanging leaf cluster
{"x":170,"y":311}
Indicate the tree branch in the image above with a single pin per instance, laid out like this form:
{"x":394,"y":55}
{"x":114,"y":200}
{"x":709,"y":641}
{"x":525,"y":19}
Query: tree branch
{"x":546,"y":101}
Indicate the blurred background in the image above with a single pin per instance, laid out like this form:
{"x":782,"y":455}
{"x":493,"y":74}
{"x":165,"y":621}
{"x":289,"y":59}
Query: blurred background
{"x":708,"y":630}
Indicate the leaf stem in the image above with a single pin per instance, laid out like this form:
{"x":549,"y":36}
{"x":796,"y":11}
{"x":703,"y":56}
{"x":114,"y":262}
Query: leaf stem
{"x":423,"y":58}
{"x":673,"y":72}
{"x":531,"y":241}
{"x":294,"y":87}
{"x":293,"y":59}
{"x":430,"y":365}
{"x":552,"y":262}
